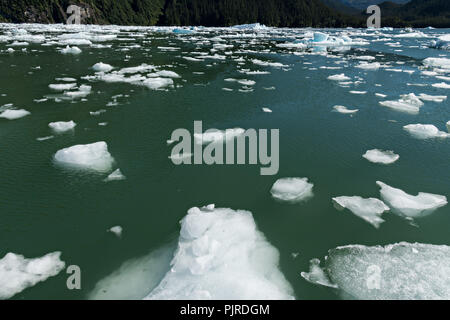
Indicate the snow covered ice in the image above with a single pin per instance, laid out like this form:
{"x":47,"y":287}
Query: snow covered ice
{"x":410,"y":206}
{"x":221,"y":255}
{"x":425,"y":131}
{"x":408,"y":103}
{"x":13,"y":114}
{"x":368,"y":209}
{"x":93,"y":156}
{"x":292,"y":189}
{"x":18,"y":273}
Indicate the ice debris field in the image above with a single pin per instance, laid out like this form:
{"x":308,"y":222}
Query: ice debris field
{"x":364,"y":120}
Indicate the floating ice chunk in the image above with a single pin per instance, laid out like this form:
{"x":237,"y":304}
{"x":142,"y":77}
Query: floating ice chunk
{"x":221,"y":255}
{"x":408,"y":103}
{"x":316,"y":275}
{"x":368,"y":209}
{"x":292,"y":189}
{"x":71,"y":50}
{"x":410,"y":206}
{"x":380,"y":156}
{"x":168,"y":74}
{"x":135,"y":278}
{"x":339,"y":77}
{"x":402,"y":271}
{"x":441,"y":85}
{"x":141,"y":68}
{"x":12,"y":114}
{"x":380,"y":95}
{"x":342,"y":109}
{"x":102,"y":67}
{"x":268,"y":63}
{"x":443,"y":63}
{"x":117,"y":175}
{"x":266,"y":110}
{"x":18,"y":273}
{"x":252,"y":26}
{"x":182,"y":31}
{"x":425,"y":131}
{"x":62,"y":86}
{"x":217,"y":135}
{"x":93,"y":156}
{"x":246,"y":82}
{"x":44,"y":138}
{"x":358,"y":92}
{"x":448,"y":126}
{"x":320,"y":37}
{"x":116,"y":230}
{"x":369,"y":66}
{"x":82,"y":92}
{"x":157,"y":83}
{"x":61,"y":126}
{"x":426,"y":97}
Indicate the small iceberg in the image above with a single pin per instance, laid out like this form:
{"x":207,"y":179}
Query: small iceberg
{"x":425,"y":131}
{"x":62,"y":86}
{"x":93,"y":156}
{"x":381,"y":156}
{"x":18,"y":273}
{"x":117,"y":175}
{"x":410,"y":206}
{"x":316,"y":275}
{"x":102,"y":67}
{"x":369,"y":210}
{"x":252,"y":26}
{"x":338,"y":77}
{"x":292,"y":190}
{"x":13,"y":114}
{"x":70,"y":50}
{"x":408,"y":103}
{"x":344,"y":110}
{"x":116,"y":230}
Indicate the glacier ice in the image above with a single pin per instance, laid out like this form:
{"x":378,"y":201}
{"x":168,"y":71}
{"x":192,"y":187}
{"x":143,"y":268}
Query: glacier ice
{"x":18,"y":273}
{"x":381,"y":156}
{"x":13,"y":114}
{"x":339,"y":77}
{"x":70,"y":50}
{"x":61,"y":126}
{"x":102,"y":67}
{"x":62,"y":86}
{"x":94,"y":156}
{"x":292,"y":189}
{"x":410,"y":206}
{"x":426,"y":97}
{"x":342,"y":109}
{"x":408,"y":103}
{"x":425,"y":131}
{"x":369,"y":209}
{"x":116,"y":230}
{"x":401,"y":271}
{"x":221,"y":255}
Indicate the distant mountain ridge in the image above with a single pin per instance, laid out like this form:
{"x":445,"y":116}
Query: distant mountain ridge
{"x":363,"y":4}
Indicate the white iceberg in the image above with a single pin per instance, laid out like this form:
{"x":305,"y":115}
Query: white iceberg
{"x":425,"y":131}
{"x":93,"y":156}
{"x":13,"y":114}
{"x":338,"y":77}
{"x":443,"y":63}
{"x":369,"y":209}
{"x":292,"y":189}
{"x":221,"y":255}
{"x":116,"y":230}
{"x":157,"y":83}
{"x":426,"y":97}
{"x":402,"y":271}
{"x":62,"y":86}
{"x":70,"y":50}
{"x":61,"y":126}
{"x":316,"y":275}
{"x":408,"y":103}
{"x":381,"y":156}
{"x":18,"y":273}
{"x":410,"y":206}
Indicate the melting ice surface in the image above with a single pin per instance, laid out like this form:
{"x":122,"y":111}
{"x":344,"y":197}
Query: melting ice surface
{"x":402,"y":271}
{"x":292,"y":189}
{"x":221,"y":255}
{"x":368,"y":209}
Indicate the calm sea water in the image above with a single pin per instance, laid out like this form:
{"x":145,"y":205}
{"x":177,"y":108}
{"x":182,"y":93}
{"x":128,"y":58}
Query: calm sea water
{"x":46,"y":208}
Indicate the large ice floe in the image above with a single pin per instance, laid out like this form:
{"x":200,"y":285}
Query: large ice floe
{"x":18,"y":273}
{"x":381,"y":156}
{"x":292,"y":189}
{"x":425,"y":131}
{"x":93,"y":156}
{"x":410,"y":206}
{"x":368,"y":209}
{"x":221,"y":255}
{"x":442,"y":42}
{"x":402,"y":271}
{"x":408,"y":103}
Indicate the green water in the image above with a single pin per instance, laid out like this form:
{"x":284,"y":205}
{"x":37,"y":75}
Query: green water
{"x":46,"y":208}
